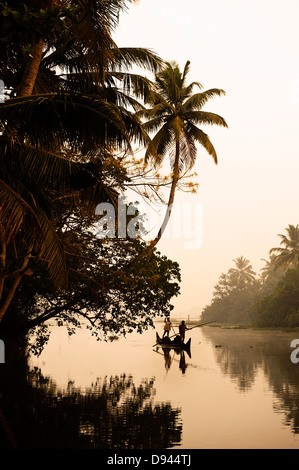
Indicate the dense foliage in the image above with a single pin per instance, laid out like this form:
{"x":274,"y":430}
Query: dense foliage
{"x":270,"y":299}
{"x":72,"y":118}
{"x":113,"y":289}
{"x":234,"y":295}
{"x":281,"y":307}
{"x":67,"y":126}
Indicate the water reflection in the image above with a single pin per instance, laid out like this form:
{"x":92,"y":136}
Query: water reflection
{"x":183,"y":365}
{"x":245,"y":353}
{"x":112,"y":413}
{"x":239,"y":390}
{"x":173,"y":355}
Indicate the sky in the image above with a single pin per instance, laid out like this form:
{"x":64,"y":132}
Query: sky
{"x":249,"y":48}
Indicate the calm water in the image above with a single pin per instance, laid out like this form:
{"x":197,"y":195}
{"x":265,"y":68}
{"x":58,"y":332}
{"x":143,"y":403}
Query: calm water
{"x":239,"y":389}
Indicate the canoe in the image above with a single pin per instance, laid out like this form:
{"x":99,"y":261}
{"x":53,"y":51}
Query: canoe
{"x":175,"y":343}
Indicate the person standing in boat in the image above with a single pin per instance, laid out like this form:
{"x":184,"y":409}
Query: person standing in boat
{"x":182,"y":330}
{"x":167,"y":327}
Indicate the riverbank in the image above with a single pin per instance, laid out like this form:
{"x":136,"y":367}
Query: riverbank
{"x":193,"y":322}
{"x":254,"y":327}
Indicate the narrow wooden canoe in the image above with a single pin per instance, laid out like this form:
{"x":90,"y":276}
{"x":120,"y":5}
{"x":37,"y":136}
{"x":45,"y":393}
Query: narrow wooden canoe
{"x":176,"y":343}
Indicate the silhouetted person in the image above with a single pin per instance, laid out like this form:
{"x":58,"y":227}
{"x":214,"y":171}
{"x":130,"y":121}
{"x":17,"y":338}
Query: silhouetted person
{"x":182,"y":329}
{"x":167,"y":326}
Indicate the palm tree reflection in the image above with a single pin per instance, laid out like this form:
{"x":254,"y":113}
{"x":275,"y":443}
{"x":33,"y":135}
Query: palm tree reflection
{"x":113,"y":413}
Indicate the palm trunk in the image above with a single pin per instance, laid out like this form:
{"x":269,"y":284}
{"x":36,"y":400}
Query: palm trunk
{"x":31,"y":70}
{"x":32,"y":66}
{"x":175,"y":179}
{"x":15,"y":283}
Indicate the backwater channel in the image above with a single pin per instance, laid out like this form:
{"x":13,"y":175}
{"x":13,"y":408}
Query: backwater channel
{"x":238,"y":390}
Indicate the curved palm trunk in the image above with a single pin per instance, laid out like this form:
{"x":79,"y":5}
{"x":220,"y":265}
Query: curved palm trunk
{"x":175,"y":179}
{"x":31,"y":70}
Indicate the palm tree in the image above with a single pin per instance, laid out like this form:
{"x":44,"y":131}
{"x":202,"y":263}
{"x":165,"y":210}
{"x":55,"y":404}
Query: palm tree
{"x":243,"y":273}
{"x":52,"y":134}
{"x":174,"y":115}
{"x":77,"y":48}
{"x":270,"y":270}
{"x":287,"y":254}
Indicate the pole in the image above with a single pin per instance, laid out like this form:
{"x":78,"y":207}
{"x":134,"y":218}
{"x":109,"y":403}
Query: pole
{"x":201,"y":324}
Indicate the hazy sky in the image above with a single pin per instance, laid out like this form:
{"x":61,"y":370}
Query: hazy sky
{"x":249,"y":48}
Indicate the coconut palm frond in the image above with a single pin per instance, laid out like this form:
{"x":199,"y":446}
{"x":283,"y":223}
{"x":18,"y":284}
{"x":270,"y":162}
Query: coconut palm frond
{"x":160,"y":109}
{"x":205,"y":117}
{"x":13,"y":209}
{"x":125,"y":58}
{"x":97,"y":193}
{"x":128,"y":86}
{"x":159,"y":145}
{"x":41,"y":164}
{"x":203,"y":139}
{"x":51,"y":251}
{"x":287,"y":254}
{"x":96,"y":21}
{"x":188,"y":151}
{"x":154,"y":124}
{"x":132,"y":84}
{"x":198,"y":100}
{"x":16,"y":211}
{"x":135,"y":131}
{"x":83,"y":122}
{"x":186,"y":70}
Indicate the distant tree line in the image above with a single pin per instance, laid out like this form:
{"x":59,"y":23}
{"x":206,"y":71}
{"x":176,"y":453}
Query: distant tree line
{"x":266,"y":299}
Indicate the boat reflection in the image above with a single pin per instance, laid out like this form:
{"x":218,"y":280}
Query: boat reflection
{"x":170,"y":357}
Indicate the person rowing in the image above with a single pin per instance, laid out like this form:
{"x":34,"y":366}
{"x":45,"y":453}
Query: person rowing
{"x":182,"y":330}
{"x":167,"y":327}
